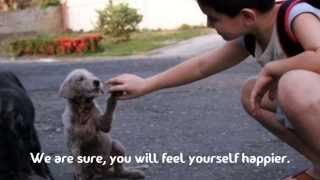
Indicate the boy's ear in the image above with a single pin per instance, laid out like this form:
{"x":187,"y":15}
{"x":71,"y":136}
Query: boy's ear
{"x":249,"y":16}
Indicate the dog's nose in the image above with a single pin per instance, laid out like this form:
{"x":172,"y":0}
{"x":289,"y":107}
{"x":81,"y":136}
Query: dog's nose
{"x":96,"y":83}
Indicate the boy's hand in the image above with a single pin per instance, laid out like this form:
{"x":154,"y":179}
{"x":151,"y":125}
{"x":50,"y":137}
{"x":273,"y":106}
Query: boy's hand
{"x":127,"y":86}
{"x":265,"y":82}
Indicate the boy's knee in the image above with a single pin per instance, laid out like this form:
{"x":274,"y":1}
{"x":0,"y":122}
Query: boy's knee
{"x":246,"y":93}
{"x":294,"y":91}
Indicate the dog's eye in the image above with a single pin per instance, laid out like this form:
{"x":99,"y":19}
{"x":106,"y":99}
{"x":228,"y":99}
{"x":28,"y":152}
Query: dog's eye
{"x":81,"y":78}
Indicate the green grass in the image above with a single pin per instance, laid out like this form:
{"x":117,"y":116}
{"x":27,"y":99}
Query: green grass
{"x":145,"y":41}
{"x":140,"y":43}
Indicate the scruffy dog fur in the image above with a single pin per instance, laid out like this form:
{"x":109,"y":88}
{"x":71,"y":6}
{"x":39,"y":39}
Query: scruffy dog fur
{"x":87,"y":130}
{"x":18,"y":136}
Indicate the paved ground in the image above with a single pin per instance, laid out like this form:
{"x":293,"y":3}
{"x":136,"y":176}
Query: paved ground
{"x":204,"y":118}
{"x":190,"y":47}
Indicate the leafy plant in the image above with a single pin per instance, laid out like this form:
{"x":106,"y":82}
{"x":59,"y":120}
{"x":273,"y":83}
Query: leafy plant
{"x":118,"y":21}
{"x":48,"y":3}
{"x":184,"y":27}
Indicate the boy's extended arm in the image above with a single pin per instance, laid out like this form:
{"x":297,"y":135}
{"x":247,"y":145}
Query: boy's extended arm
{"x":199,"y":67}
{"x":189,"y":71}
{"x":306,"y":28}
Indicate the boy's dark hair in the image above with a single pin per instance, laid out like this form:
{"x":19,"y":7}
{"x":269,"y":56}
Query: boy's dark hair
{"x":232,"y":8}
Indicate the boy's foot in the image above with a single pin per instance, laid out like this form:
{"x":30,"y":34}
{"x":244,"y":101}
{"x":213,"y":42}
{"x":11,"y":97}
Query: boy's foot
{"x":307,"y":174}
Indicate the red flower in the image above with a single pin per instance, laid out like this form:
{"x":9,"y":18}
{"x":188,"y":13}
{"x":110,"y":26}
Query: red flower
{"x":80,"y":45}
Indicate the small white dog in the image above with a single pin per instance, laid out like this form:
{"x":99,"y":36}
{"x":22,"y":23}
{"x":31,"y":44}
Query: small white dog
{"x":87,"y":130}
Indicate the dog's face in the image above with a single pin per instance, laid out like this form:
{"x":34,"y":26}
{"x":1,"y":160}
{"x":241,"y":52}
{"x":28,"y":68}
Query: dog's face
{"x":80,"y":83}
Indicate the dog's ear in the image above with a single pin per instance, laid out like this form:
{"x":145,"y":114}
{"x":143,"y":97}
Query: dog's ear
{"x":66,"y":89}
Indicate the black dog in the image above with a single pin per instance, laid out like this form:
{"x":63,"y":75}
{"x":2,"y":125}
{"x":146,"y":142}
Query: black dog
{"x":18,"y":137}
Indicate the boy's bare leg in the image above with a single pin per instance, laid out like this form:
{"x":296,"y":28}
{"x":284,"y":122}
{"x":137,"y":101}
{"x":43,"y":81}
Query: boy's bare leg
{"x":268,"y":119}
{"x":299,"y":98}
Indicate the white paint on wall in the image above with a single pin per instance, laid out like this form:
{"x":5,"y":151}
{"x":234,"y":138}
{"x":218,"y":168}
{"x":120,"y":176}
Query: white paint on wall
{"x":164,"y":14}
{"x":81,"y":14}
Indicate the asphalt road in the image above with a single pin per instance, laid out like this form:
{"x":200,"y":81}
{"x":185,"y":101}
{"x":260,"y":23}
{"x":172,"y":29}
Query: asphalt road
{"x":204,"y":118}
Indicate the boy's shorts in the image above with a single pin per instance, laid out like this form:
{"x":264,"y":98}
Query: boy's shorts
{"x":281,"y":117}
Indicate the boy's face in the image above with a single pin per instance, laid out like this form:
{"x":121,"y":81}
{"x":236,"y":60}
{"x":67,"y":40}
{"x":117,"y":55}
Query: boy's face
{"x":228,"y":27}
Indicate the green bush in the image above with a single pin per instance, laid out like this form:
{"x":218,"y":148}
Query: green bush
{"x":46,"y":3}
{"x":31,"y":46}
{"x":184,"y":27}
{"x":118,"y":21}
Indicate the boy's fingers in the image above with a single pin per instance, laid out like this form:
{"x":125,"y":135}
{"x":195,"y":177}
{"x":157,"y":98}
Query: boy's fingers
{"x":255,"y":101}
{"x":126,"y":97}
{"x":252,"y":100}
{"x":117,"y":88}
{"x":273,"y":92}
{"x":118,"y":93}
{"x":114,"y":81}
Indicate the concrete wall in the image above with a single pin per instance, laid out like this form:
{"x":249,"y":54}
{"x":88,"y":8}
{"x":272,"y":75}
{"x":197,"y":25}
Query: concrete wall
{"x":31,"y":20}
{"x":164,"y":14}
